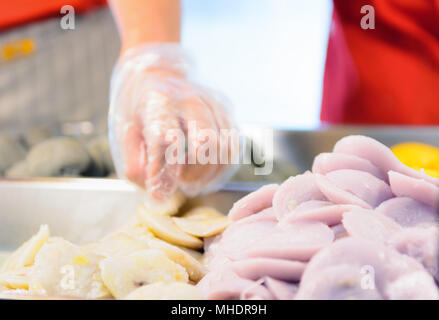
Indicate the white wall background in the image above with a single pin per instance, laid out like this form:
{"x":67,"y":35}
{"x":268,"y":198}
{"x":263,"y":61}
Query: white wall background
{"x":266,"y":55}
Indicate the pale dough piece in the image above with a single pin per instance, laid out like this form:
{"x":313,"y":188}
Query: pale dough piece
{"x":137,"y":228}
{"x":63,"y":269}
{"x":24,"y":256}
{"x":207,"y":227}
{"x":164,"y":228}
{"x":117,"y":244}
{"x":166,"y":291}
{"x":15,"y":279}
{"x":193,"y":267}
{"x":123,"y":275}
{"x":168,"y":208}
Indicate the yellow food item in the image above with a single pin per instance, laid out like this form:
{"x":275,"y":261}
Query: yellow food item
{"x":15,"y":279}
{"x":153,"y":256}
{"x":63,"y":269}
{"x":117,"y":244}
{"x":124,"y":274}
{"x":137,"y":228}
{"x":166,"y":291}
{"x":419,"y":156}
{"x":202,"y":227}
{"x":25,"y":255}
{"x":193,"y":267}
{"x":164,"y":228}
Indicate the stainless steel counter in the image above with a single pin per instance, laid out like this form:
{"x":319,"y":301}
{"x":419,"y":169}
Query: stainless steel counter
{"x":299,"y":147}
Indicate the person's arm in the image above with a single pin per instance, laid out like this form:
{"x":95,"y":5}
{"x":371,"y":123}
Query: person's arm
{"x":143,"y":21}
{"x":153,"y":102}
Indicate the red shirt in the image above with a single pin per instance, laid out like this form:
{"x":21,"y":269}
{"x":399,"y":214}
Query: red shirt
{"x":16,"y":12}
{"x":389,"y":75}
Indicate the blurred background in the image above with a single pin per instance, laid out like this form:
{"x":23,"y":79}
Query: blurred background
{"x":271,"y":80}
{"x":266,"y":56}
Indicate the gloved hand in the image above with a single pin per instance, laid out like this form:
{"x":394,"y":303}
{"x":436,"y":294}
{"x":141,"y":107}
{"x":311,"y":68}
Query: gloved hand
{"x":151,"y":99}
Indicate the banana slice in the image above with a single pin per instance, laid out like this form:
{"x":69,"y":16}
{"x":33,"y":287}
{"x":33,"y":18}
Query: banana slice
{"x":168,"y":207}
{"x":63,"y":269}
{"x":164,"y":228}
{"x":25,"y":255}
{"x":166,"y":291}
{"x":123,"y":275}
{"x":201,"y":213}
{"x":193,"y":267}
{"x":117,"y":244}
{"x":199,"y":227}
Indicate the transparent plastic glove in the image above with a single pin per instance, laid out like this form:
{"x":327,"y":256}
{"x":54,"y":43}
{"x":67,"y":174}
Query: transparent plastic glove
{"x":151,"y":99}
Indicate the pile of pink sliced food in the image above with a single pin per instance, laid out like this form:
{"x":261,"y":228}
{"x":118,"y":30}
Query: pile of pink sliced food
{"x":361,"y":225}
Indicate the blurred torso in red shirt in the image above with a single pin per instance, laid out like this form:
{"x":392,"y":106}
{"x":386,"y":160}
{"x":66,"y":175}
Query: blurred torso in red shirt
{"x":386,"y":75}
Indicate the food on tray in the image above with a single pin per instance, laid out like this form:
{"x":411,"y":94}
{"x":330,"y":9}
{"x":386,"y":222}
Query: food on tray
{"x":88,"y":156}
{"x":360,"y":225}
{"x":166,"y":291}
{"x":64,"y":269}
{"x":25,"y":255}
{"x":123,"y":274}
{"x":131,"y":263}
{"x":61,"y":156}
{"x":419,"y":156}
{"x":41,"y":154}
{"x":165,"y":228}
{"x":202,"y":222}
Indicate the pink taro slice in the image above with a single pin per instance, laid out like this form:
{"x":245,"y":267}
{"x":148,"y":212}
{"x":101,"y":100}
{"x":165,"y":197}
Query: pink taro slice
{"x":254,"y":202}
{"x":239,"y":238}
{"x":379,"y":155}
{"x":420,"y":243}
{"x":327,"y":162}
{"x":294,"y":191}
{"x":338,"y":195}
{"x":417,"y":189}
{"x":370,"y":225}
{"x":223,"y":284}
{"x":325,"y":212}
{"x":295,"y":241}
{"x":408,"y":212}
{"x":361,"y":184}
{"x":350,"y":265}
{"x":281,"y":290}
{"x":257,"y":268}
